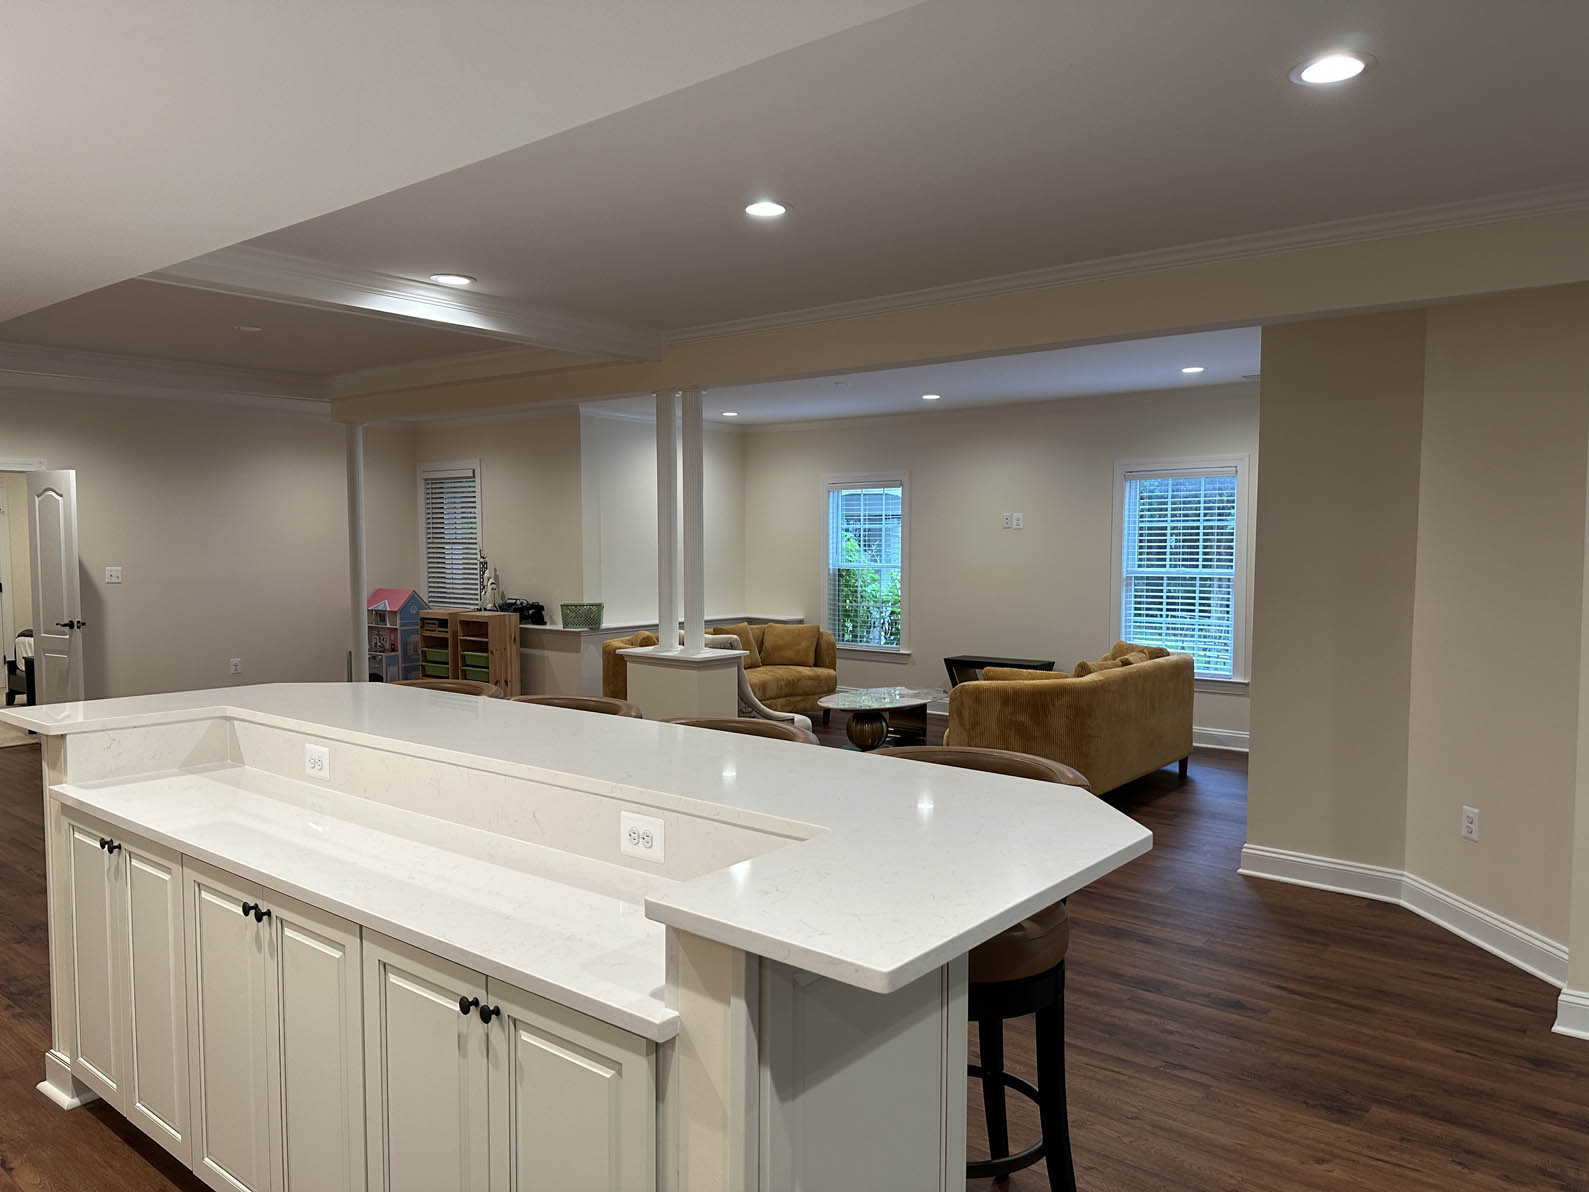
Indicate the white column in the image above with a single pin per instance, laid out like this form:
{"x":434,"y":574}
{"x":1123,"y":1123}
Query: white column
{"x":694,"y":555}
{"x":667,"y":519}
{"x":358,"y":588}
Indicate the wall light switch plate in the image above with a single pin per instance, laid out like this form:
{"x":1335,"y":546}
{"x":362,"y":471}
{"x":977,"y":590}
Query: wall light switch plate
{"x":1009,"y":519}
{"x":640,"y":836}
{"x":113,"y":575}
{"x":234,"y":667}
{"x":1470,"y":823}
{"x":317,"y":762}
{"x":1020,"y":521}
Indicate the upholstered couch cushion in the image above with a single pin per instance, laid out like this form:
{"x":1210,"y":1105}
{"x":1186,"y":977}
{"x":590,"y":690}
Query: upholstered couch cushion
{"x":790,"y":645}
{"x":1085,"y":668}
{"x":1010,"y":674}
{"x":1121,"y":649}
{"x":747,"y":642}
{"x":771,"y":682}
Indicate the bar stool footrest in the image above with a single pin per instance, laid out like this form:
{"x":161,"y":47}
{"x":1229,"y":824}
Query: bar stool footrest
{"x":1005,"y":1165}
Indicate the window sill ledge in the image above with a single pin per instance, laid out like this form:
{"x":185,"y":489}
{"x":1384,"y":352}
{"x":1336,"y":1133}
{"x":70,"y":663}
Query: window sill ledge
{"x":874,"y":653}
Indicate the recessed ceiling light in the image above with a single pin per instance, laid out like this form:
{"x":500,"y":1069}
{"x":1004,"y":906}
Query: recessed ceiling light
{"x":1330,"y":68}
{"x":730,"y":413}
{"x":931,"y":396}
{"x":1192,"y":369}
{"x":765,"y":209}
{"x":456,"y":280}
{"x":246,"y":328}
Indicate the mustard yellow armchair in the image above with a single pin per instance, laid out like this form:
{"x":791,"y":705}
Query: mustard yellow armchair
{"x":1113,"y":725}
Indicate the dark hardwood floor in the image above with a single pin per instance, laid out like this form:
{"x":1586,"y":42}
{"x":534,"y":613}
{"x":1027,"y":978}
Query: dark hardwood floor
{"x":1223,"y":1033}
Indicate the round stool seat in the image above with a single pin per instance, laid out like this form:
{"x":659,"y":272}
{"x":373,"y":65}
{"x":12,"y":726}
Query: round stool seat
{"x":1032,"y":946}
{"x":991,"y":761}
{"x":583,"y":703}
{"x":457,"y":686}
{"x":776,"y":730}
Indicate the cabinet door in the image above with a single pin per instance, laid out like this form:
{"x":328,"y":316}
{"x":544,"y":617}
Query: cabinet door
{"x":317,"y":1053}
{"x":425,"y":1072}
{"x":156,"y":1069}
{"x":573,"y":1100}
{"x":96,"y":892}
{"x":227,"y":1023}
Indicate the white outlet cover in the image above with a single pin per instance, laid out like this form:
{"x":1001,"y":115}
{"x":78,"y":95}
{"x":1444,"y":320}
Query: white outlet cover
{"x":1009,"y":519}
{"x":640,"y":836}
{"x":317,"y":762}
{"x":235,"y":666}
{"x":1470,"y":823}
{"x":113,"y":575}
{"x":1020,"y":521}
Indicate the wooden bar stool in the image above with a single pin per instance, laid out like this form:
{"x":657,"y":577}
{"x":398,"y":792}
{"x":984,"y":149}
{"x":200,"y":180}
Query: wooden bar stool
{"x":776,"y":730}
{"x":457,"y":686}
{"x":1019,"y":971}
{"x":605,"y":704}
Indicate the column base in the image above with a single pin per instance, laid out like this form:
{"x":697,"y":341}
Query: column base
{"x":60,"y":1086}
{"x":666,"y":684}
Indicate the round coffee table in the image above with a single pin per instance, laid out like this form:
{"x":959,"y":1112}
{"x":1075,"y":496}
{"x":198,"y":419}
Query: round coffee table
{"x":869,"y":707}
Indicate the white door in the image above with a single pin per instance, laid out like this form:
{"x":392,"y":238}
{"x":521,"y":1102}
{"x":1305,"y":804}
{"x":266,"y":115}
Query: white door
{"x":228,"y":1027}
{"x":94,"y":887}
{"x":425,"y":1072}
{"x":316,"y":1059}
{"x":57,"y":597}
{"x":573,"y":1100}
{"x":156,"y":997}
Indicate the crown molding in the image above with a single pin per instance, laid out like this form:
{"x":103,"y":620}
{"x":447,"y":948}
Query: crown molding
{"x":1471,"y":213}
{"x":56,"y":370}
{"x":301,"y":281}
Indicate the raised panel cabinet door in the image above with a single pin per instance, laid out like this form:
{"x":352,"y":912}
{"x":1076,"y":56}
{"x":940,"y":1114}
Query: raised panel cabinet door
{"x":228,"y":1029}
{"x":573,"y":1100}
{"x":96,"y":891}
{"x":157,"y":1007}
{"x":315,"y":999}
{"x":425,"y":1072}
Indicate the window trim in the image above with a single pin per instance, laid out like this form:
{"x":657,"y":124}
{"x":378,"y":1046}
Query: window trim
{"x":437,"y":467}
{"x":1241,"y":630}
{"x":887,"y":479}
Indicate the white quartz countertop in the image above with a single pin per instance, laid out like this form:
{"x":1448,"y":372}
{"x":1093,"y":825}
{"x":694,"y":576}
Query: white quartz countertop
{"x":535,"y":923}
{"x":908,"y":864}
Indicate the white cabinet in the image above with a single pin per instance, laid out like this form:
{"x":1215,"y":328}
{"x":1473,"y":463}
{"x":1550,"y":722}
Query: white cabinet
{"x":273,"y":991}
{"x":476,"y":1086}
{"x":127,"y":964}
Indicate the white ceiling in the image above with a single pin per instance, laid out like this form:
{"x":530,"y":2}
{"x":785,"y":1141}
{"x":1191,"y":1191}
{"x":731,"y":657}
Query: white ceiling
{"x":953,"y":141}
{"x":145,"y":318}
{"x":1226,"y":356}
{"x":136,"y":135}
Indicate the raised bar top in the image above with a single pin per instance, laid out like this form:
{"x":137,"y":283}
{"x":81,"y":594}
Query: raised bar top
{"x":909,"y":864}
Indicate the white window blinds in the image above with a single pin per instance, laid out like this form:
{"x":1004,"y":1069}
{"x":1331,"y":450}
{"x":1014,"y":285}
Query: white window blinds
{"x":1178,"y":574}
{"x":865,"y":598}
{"x":450,"y":512}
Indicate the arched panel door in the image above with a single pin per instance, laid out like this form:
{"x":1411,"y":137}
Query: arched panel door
{"x":57,"y":595}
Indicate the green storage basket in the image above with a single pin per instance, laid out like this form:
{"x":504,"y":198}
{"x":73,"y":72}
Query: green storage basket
{"x":437,"y":670}
{"x":434,"y":655}
{"x":475,"y":658}
{"x":477,"y":672}
{"x":582,"y":616}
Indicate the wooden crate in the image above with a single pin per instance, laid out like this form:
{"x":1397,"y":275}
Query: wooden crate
{"x":496,"y":635}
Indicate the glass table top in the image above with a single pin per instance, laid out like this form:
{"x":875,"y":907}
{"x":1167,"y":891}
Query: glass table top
{"x":879,"y":699}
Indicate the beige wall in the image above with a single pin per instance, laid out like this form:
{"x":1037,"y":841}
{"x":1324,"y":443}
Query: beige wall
{"x":1333,"y":589}
{"x":529,"y":497}
{"x":1578,"y":933}
{"x":19,"y":571}
{"x":229,"y":524}
{"x":1043,"y":591}
{"x":391,"y":507}
{"x":619,"y":464}
{"x":1498,"y":604}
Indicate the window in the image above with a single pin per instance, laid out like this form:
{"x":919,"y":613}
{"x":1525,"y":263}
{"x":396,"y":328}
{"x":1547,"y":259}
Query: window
{"x":1182,"y":581}
{"x":449,"y":529}
{"x":866,"y":561}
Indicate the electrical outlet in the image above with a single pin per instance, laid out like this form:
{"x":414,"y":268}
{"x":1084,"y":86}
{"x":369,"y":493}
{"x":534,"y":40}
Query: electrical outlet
{"x":1470,"y":823}
{"x":113,"y":575}
{"x":235,"y":666}
{"x":1009,"y":519}
{"x":1019,"y":521}
{"x":317,"y":762}
{"x":640,"y":836}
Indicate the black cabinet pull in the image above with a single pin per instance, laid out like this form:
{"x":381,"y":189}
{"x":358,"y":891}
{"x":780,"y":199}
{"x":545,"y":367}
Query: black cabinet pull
{"x":250,"y":908}
{"x":261,"y":913}
{"x":487,"y":1013}
{"x":104,"y":842}
{"x":112,"y":847}
{"x":465,"y":1004}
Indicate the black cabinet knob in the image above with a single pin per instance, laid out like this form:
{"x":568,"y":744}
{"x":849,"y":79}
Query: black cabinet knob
{"x":261,"y":913}
{"x":112,"y":847}
{"x":250,"y":908}
{"x":104,"y":842}
{"x":465,"y":1004}
{"x":487,"y":1013}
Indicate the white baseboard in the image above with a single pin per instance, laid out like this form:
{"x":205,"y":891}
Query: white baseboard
{"x":1572,"y":1013}
{"x":1530,"y":951}
{"x":1219,"y":738}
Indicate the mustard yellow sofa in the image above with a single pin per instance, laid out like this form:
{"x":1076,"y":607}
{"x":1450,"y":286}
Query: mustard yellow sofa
{"x":1116,"y":719}
{"x":785,"y":686}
